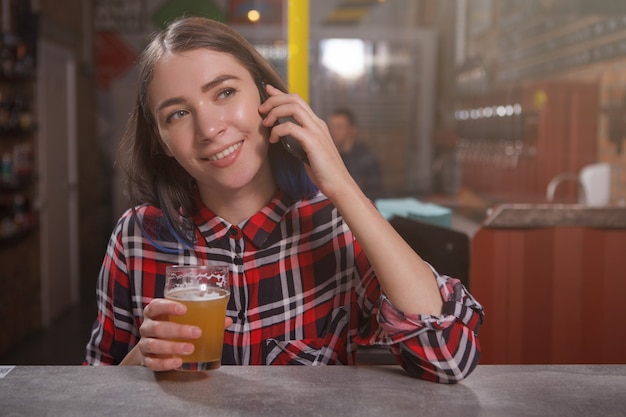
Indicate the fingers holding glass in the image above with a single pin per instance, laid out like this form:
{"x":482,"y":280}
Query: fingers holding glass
{"x":204,"y":291}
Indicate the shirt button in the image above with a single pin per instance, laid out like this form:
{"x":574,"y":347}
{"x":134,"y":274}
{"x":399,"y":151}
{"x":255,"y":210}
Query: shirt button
{"x":242,"y":315}
{"x":237,"y":261}
{"x":234,"y":232}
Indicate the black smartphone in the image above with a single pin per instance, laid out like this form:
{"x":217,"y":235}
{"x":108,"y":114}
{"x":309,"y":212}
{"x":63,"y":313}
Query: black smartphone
{"x":291,"y":144}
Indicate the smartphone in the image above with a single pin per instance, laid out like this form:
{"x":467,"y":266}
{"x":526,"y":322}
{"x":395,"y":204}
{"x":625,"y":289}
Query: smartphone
{"x":291,"y":144}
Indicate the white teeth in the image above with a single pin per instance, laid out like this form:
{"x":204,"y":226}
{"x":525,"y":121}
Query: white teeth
{"x":225,"y":152}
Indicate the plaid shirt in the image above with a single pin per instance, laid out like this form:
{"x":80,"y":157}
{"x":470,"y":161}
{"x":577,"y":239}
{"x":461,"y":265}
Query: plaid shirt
{"x":302,"y":292}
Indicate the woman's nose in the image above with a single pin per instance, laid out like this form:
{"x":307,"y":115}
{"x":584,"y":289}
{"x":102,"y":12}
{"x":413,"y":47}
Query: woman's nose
{"x":210,"y":122}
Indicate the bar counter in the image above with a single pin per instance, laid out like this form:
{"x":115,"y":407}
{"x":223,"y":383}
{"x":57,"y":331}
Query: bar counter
{"x":492,"y":390}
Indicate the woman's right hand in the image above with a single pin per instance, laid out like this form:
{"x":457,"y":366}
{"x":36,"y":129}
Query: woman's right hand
{"x":156,"y":348}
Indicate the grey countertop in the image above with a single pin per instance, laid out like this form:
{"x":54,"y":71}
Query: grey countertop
{"x":492,"y":390}
{"x":551,"y":215}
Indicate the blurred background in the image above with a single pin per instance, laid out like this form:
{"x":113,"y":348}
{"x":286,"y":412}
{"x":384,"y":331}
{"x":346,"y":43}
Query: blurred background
{"x":466,"y":104}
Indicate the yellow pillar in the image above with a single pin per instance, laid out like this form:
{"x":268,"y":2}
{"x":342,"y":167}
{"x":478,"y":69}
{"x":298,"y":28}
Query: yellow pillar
{"x":298,"y":41}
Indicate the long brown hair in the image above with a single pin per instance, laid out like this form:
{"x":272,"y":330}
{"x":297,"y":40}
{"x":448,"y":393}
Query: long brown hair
{"x":159,"y":180}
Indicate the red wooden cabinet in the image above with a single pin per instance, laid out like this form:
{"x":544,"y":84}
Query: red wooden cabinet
{"x":551,"y":294}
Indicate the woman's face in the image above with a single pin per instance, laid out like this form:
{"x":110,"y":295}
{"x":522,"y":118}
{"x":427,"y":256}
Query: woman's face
{"x":205,"y":104}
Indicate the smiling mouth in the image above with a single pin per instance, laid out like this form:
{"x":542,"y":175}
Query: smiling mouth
{"x":226,"y":152}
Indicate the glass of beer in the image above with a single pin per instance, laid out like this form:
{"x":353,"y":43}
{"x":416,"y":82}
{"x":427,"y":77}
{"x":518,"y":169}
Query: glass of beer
{"x":205,"y":290}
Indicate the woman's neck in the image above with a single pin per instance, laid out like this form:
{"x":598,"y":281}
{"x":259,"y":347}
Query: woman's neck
{"x":235,"y":206}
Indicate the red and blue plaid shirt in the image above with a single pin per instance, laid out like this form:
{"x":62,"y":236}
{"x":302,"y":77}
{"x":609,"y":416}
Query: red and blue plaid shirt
{"x":302,"y":292}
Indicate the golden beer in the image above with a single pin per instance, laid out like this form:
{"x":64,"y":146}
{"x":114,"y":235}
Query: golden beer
{"x":205,"y":291}
{"x":206,"y":311}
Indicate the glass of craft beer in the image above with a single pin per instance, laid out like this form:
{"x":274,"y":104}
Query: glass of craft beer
{"x":205,"y":291}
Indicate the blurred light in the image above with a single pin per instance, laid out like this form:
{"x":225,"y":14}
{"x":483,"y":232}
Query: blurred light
{"x":272,"y":51}
{"x":346,"y":57}
{"x":254,"y":15}
{"x":382,"y":57}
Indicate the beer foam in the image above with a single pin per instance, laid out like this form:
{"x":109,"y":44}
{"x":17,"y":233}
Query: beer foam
{"x":194,"y":294}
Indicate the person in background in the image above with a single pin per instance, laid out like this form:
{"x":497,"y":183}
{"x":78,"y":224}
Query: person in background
{"x":316,"y":271}
{"x":361,"y":162}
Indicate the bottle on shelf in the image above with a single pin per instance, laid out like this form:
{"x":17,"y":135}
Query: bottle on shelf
{"x":6,"y":169}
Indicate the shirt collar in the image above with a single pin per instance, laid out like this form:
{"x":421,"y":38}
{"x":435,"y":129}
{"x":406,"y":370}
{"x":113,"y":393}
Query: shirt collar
{"x":257,"y":229}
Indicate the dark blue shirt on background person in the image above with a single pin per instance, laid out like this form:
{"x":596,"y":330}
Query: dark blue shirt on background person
{"x":359,"y":159}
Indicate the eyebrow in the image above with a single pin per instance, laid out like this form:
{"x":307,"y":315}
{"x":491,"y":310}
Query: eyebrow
{"x":206,"y":87}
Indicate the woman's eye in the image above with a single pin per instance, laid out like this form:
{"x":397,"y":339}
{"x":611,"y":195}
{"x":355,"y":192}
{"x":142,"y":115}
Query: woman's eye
{"x":176,"y":115}
{"x":226,"y":93}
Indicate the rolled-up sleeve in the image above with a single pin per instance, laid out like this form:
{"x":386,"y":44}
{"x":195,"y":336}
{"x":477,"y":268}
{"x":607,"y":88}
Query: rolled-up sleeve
{"x":442,"y":348}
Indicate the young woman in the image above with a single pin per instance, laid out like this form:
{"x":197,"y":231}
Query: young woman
{"x":315,"y":269}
